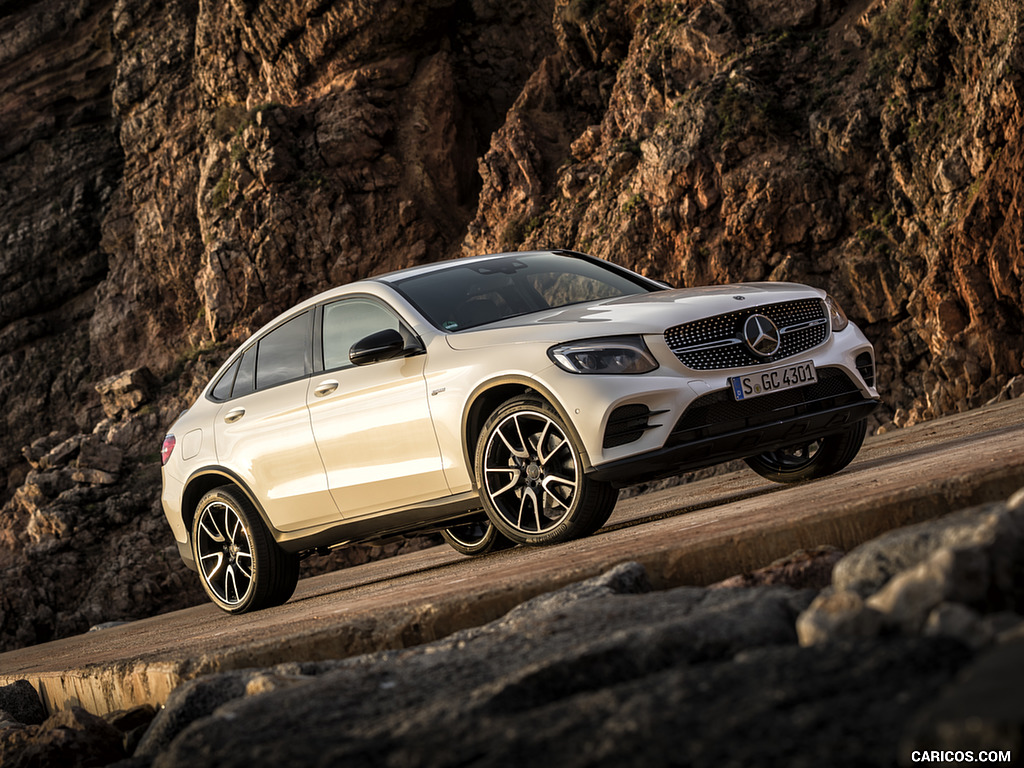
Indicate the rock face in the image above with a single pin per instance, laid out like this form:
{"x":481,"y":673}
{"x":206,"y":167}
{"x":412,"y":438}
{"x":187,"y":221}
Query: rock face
{"x":173,"y":174}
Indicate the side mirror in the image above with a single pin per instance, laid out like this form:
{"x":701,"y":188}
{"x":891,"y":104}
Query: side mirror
{"x":377,"y":347}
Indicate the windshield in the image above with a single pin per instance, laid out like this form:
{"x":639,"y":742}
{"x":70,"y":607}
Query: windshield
{"x":466,"y":295}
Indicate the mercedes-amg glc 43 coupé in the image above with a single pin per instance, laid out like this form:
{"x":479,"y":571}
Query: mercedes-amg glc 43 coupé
{"x":501,"y":400}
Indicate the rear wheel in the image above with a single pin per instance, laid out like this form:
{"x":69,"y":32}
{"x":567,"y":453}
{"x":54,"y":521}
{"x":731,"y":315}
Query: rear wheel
{"x":811,"y":459}
{"x":240,"y":565}
{"x":475,"y":537}
{"x":531,"y":479}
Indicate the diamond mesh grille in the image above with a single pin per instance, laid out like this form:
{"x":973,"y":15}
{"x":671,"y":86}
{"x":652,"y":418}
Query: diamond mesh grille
{"x":717,"y":342}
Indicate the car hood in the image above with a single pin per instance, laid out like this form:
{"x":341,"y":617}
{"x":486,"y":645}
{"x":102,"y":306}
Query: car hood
{"x":630,"y":315}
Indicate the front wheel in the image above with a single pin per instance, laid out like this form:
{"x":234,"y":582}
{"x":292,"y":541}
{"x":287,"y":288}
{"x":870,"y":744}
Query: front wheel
{"x":475,"y":537}
{"x":811,"y":459}
{"x":531,"y":479}
{"x":240,"y":565}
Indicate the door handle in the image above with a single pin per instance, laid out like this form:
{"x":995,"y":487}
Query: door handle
{"x":234,"y":415}
{"x":325,"y":388}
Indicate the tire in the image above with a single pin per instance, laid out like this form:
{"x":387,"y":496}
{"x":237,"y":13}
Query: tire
{"x":813,"y":459}
{"x":475,"y":536}
{"x":240,"y":565}
{"x":530,"y":476}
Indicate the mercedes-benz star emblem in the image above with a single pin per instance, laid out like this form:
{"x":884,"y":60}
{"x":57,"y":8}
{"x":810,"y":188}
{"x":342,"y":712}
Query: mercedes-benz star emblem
{"x":761,"y":335}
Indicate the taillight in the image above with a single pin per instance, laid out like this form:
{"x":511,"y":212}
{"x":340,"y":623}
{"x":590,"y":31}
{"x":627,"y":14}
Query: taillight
{"x":165,"y":452}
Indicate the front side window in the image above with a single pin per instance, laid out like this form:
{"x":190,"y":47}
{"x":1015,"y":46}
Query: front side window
{"x":349,"y":321}
{"x":281,"y":354}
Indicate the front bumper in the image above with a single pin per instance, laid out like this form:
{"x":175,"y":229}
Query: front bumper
{"x":698,"y":441}
{"x":636,"y":428}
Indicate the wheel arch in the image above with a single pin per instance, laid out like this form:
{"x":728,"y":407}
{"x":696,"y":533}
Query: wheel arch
{"x":489,"y":396}
{"x":204,"y":480}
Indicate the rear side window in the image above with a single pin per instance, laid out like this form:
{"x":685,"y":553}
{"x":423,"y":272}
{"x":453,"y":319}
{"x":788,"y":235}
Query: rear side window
{"x":281,"y":354}
{"x":278,"y":357}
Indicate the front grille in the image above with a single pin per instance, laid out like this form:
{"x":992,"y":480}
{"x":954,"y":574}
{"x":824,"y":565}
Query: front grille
{"x":719,"y":413}
{"x":717,"y":342}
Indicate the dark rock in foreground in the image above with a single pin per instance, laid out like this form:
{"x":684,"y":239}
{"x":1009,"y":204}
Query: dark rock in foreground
{"x":21,"y":703}
{"x":580,"y":677}
{"x":608,"y":672}
{"x":770,"y":706}
{"x":71,"y":738}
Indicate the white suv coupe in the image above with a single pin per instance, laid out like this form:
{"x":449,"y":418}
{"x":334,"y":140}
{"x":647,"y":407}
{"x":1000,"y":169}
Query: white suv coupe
{"x":501,"y":399}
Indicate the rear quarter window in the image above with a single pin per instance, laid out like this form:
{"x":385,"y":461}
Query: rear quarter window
{"x":222,"y":389}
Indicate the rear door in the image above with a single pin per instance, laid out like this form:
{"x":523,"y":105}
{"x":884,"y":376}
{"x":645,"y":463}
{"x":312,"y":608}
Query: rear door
{"x":263,"y":432}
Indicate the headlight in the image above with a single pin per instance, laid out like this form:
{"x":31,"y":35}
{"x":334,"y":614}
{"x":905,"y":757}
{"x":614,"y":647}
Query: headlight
{"x":604,"y":356}
{"x":838,"y":317}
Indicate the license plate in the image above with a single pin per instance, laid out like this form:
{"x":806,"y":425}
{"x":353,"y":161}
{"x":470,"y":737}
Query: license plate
{"x":773,"y":380}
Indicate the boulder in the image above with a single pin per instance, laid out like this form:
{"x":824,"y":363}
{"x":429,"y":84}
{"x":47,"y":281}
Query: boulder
{"x":21,"y":703}
{"x":187,"y":703}
{"x":62,"y":454}
{"x":91,"y":476}
{"x":837,"y":614}
{"x":943,"y":576}
{"x":95,"y":454}
{"x":126,"y":391}
{"x":72,"y":738}
{"x":803,"y":569}
{"x":867,"y":568}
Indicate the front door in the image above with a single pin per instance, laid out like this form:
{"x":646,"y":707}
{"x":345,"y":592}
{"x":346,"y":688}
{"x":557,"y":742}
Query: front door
{"x":372,"y":423}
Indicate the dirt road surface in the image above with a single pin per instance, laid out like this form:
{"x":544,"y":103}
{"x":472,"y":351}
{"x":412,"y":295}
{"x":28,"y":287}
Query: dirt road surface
{"x":693,"y":534}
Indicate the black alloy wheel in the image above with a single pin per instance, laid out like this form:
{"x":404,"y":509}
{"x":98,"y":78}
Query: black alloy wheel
{"x":240,"y":566}
{"x":531,"y":478}
{"x":476,"y":536}
{"x":811,"y":459}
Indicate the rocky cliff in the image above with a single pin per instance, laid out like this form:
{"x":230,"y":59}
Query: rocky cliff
{"x":174,"y":173}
